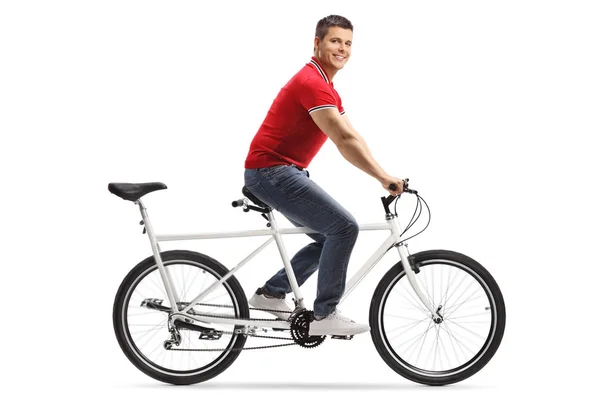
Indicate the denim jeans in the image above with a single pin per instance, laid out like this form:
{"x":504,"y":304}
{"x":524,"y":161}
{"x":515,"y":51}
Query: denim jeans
{"x":291,"y":192}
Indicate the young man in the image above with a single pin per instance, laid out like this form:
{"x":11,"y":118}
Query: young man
{"x":305,"y":113}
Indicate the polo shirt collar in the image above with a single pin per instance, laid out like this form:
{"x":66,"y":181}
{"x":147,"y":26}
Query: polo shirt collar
{"x":320,"y":69}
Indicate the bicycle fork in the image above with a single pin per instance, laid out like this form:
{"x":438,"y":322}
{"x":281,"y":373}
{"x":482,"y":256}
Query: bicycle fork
{"x":410,"y":273}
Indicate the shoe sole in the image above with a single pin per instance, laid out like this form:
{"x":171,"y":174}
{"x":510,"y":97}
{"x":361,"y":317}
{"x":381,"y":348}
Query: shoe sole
{"x":349,"y":332}
{"x":258,"y":305}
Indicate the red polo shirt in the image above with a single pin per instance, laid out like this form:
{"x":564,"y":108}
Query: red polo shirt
{"x":288,"y":135}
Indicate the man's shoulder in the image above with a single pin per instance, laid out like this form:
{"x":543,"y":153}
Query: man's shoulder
{"x":307,"y":78}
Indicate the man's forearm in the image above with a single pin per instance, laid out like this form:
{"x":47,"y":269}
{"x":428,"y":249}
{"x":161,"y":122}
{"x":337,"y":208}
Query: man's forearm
{"x":357,"y":153}
{"x":362,"y":141}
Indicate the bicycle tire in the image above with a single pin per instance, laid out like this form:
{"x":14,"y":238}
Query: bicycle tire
{"x":147,"y":363}
{"x":392,"y":352}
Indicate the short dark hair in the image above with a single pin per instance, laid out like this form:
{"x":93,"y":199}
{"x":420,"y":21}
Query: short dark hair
{"x":332,"y":20}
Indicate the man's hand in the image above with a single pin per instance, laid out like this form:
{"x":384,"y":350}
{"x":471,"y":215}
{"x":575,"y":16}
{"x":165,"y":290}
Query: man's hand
{"x":388,"y":180}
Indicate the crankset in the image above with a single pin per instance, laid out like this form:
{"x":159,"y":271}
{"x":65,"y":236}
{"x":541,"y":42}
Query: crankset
{"x":299,"y":329}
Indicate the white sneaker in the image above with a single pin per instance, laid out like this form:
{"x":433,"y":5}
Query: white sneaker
{"x":336,"y":324}
{"x":260,"y":301}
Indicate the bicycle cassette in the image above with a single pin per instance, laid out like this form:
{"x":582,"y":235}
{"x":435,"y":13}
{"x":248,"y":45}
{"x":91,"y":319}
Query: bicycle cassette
{"x":299,"y":330}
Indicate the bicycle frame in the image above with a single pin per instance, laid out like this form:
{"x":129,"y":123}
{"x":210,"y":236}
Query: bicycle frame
{"x":392,"y":224}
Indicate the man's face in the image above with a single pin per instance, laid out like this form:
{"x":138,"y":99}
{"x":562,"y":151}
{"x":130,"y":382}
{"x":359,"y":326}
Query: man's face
{"x":334,"y":50}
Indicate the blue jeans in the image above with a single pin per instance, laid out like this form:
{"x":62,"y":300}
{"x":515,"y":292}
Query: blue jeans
{"x":291,"y":192}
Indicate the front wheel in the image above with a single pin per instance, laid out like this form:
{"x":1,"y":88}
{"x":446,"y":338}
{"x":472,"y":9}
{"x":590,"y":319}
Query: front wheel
{"x":454,"y":343}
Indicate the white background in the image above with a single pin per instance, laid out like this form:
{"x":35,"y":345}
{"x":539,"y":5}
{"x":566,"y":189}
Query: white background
{"x":490,"y":108}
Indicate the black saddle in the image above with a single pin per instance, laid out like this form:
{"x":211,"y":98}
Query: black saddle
{"x":255,"y":200}
{"x":134,"y":191}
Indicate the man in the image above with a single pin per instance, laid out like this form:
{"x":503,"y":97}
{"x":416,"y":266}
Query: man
{"x":304,"y":114}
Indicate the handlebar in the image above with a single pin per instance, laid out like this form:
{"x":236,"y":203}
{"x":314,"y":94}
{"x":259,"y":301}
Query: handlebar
{"x":388,"y":200}
{"x":393,"y":186}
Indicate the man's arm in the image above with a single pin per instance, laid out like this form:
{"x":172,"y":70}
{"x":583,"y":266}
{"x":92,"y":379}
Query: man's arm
{"x":360,"y":138}
{"x":352,"y":146}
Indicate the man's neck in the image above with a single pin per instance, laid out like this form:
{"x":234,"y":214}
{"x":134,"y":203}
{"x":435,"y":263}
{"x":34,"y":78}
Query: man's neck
{"x":328,"y":70}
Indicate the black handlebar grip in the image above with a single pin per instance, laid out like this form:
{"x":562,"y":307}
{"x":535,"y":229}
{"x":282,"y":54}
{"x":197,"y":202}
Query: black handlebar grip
{"x":237,"y":203}
{"x":393,"y":186}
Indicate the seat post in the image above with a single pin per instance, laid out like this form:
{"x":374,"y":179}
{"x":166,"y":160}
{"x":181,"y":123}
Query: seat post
{"x":164,"y":273}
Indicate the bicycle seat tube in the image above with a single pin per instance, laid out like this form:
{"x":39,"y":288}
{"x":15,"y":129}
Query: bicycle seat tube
{"x":299,"y":300}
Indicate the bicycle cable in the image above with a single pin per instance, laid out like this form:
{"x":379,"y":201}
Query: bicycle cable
{"x":413,"y":220}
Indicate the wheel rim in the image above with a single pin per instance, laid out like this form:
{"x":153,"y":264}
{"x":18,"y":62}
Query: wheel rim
{"x":146,"y":330}
{"x":468,"y":312}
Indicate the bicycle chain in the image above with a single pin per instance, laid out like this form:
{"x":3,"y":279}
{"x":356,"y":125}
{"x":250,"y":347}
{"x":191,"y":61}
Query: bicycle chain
{"x":249,"y":335}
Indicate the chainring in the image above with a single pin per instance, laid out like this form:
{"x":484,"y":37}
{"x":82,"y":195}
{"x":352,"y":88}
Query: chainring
{"x":299,"y":330}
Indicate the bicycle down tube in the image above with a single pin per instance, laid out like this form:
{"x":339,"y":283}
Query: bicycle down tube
{"x":276,"y":234}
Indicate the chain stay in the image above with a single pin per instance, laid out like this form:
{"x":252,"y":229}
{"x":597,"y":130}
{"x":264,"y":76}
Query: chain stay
{"x":233,"y":332}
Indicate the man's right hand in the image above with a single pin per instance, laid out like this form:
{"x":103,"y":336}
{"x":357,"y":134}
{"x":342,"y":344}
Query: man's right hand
{"x":388,"y":180}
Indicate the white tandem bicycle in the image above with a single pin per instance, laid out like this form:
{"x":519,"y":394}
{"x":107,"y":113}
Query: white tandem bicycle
{"x":181,"y":317}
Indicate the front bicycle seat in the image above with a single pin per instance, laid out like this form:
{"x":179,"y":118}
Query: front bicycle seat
{"x":134,"y":191}
{"x":255,"y":200}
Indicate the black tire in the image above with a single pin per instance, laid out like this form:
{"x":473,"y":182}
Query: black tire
{"x":137,"y":344}
{"x":485,"y":294}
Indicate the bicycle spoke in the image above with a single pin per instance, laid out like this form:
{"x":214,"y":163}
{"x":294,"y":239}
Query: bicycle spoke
{"x":468,"y":330}
{"x":432,"y":287}
{"x":463,"y":297}
{"x":455,"y":307}
{"x":450,"y":283}
{"x":408,"y":327}
{"x":402,"y":317}
{"x":445,"y":353}
{"x":146,"y":311}
{"x":450,"y":337}
{"x":469,"y":315}
{"x":461,"y":345}
{"x":156,"y":280}
{"x":455,"y":290}
{"x":216,"y":297}
{"x":148,"y":339}
{"x":189,"y":286}
{"x":140,"y":296}
{"x":435,"y":347}
{"x":424,"y":337}
{"x":413,"y":339}
{"x":402,"y":294}
{"x":415,"y":301}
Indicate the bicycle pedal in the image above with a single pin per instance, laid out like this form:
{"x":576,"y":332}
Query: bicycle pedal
{"x":210,"y":335}
{"x":342,"y":337}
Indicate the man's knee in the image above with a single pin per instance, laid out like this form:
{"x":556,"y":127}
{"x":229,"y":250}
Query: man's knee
{"x":346,"y":227}
{"x":352,"y":227}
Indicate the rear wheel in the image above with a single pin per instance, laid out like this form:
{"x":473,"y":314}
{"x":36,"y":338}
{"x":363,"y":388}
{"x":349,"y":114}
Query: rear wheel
{"x":142,"y":330}
{"x":459,"y":339}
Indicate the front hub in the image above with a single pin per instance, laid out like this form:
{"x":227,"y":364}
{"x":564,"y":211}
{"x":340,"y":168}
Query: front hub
{"x":438,"y":318}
